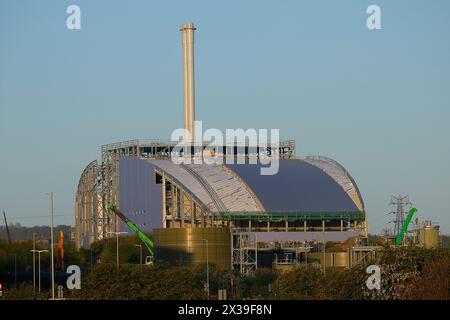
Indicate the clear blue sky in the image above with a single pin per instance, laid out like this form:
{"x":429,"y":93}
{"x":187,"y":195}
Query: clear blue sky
{"x":376,"y":101}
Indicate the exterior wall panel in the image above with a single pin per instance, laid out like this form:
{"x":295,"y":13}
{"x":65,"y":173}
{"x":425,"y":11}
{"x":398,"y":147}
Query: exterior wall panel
{"x":140,"y":198}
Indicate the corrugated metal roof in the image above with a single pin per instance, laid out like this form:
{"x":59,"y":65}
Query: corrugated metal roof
{"x":233,"y":193}
{"x":340,"y":175}
{"x":218,"y":188}
{"x":298,"y":186}
{"x":186,"y":179}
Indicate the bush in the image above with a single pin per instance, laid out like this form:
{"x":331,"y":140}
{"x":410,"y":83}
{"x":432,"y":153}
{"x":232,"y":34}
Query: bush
{"x":131,"y":284}
{"x":256,"y":286}
{"x":298,"y":284}
{"x":344,"y":284}
{"x":433,"y":283}
{"x":25,"y":291}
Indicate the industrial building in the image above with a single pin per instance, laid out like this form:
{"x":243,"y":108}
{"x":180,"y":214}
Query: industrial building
{"x":238,"y":216}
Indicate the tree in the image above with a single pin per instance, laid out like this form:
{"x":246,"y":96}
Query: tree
{"x":298,"y":284}
{"x":433,"y":283}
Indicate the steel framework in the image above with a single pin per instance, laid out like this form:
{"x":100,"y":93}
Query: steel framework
{"x":401,"y":204}
{"x":180,"y":207}
{"x":99,"y":186}
{"x":86,"y":205}
{"x":244,"y":252}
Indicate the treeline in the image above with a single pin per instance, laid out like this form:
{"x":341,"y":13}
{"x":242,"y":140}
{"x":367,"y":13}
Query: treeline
{"x":20,"y":233}
{"x":17,"y":258}
{"x":406,"y":273}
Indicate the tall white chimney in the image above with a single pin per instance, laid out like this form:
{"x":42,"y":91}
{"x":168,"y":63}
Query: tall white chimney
{"x":187,"y":32}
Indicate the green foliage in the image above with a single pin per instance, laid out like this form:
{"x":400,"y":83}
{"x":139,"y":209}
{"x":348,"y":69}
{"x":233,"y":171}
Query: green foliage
{"x":256,"y":286}
{"x":433,"y":283}
{"x":338,"y":285}
{"x":21,"y":251}
{"x":407,"y":273}
{"x":20,"y":233}
{"x":400,"y":267}
{"x":106,"y":251}
{"x":297,"y":284}
{"x":25,"y":291}
{"x":131,"y":284}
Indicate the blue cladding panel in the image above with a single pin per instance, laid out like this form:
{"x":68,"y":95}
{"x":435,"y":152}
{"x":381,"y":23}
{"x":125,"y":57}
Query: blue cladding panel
{"x":298,"y":186}
{"x":140,"y":197}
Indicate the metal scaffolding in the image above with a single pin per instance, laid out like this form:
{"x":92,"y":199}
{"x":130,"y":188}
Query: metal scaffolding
{"x":86,"y":205}
{"x":245,"y":252}
{"x":99,"y":185}
{"x":180,"y":207}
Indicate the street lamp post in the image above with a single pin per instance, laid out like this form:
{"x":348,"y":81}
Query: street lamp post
{"x":324,"y":246}
{"x":117,"y":233}
{"x":34,"y":262}
{"x":39,"y":259}
{"x":207,"y":267}
{"x":51,"y":241}
{"x":140,"y":255}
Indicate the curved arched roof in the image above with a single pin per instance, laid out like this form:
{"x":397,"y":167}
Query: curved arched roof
{"x":340,"y":175}
{"x":298,"y":186}
{"x":217,"y":188}
{"x":301,"y":185}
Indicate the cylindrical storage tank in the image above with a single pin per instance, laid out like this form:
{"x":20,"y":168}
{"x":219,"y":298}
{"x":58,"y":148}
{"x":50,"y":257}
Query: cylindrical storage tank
{"x":189,"y":246}
{"x":341,"y":259}
{"x":429,"y":237}
{"x":332,"y":259}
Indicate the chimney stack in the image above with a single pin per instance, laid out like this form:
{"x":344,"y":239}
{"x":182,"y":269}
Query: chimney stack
{"x":187,"y":32}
